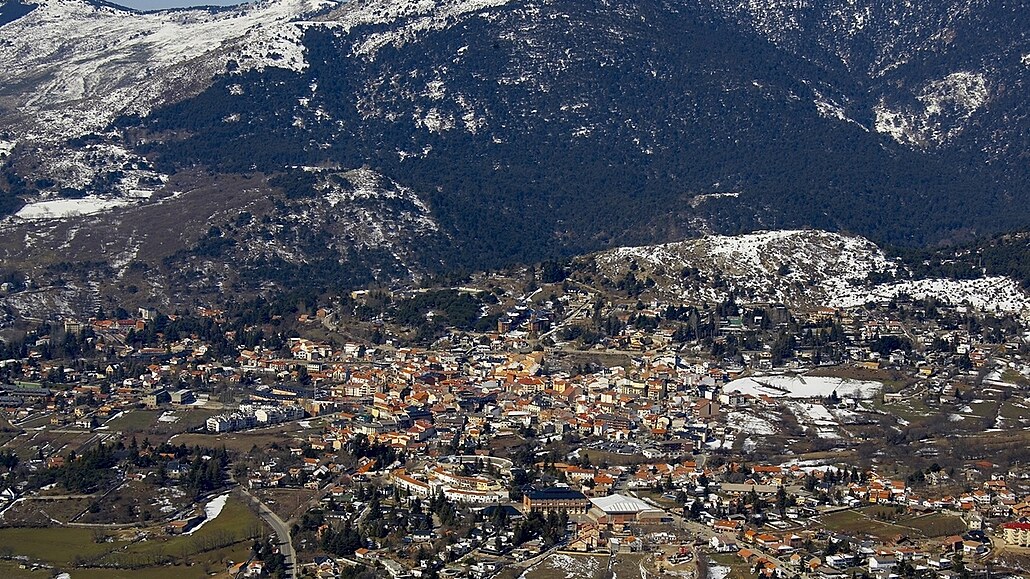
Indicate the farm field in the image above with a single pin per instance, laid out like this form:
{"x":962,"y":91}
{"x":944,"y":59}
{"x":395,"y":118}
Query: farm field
{"x":870,"y":520}
{"x":241,"y":442}
{"x":134,"y":421}
{"x":226,"y":537}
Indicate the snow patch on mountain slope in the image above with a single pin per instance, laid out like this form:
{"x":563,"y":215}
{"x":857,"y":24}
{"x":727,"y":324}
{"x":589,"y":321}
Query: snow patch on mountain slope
{"x":86,"y":64}
{"x":411,"y":18}
{"x":804,"y":268}
{"x":64,"y":208}
{"x":990,"y":294}
{"x":770,"y":265}
{"x":945,"y":107}
{"x":867,"y":36}
{"x":362,"y":210}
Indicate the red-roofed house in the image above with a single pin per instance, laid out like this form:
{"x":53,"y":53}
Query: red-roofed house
{"x":1017,"y":534}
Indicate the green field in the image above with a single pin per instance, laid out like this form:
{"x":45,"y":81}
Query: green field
{"x":234,"y":524}
{"x":227,"y":537}
{"x":864,"y":521}
{"x":212,"y":562}
{"x":936,"y":525}
{"x":54,"y":545}
{"x":241,"y":442}
{"x":1013,"y":377}
{"x":912,"y":410}
{"x":134,"y":421}
{"x":1010,"y":410}
{"x":855,"y":522}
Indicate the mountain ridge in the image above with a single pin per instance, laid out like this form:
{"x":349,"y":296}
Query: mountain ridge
{"x":527,"y":130}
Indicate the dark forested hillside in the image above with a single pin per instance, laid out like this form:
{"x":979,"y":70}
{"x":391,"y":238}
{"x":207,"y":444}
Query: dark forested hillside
{"x":1004,"y":255}
{"x":389,"y":137}
{"x":592,"y":126}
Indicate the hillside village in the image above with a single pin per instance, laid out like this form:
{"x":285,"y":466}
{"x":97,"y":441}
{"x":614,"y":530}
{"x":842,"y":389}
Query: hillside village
{"x":499,"y":426}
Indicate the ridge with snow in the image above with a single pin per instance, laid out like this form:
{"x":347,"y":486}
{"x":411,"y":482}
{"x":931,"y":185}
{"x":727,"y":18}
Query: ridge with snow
{"x":799,"y":267}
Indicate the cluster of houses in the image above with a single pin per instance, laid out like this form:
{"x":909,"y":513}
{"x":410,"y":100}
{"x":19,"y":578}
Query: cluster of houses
{"x":253,"y":416}
{"x":668,"y":404}
{"x":445,"y":477}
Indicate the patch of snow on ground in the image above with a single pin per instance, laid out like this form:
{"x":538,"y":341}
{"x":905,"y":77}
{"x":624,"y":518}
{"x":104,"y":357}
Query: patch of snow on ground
{"x":816,"y":417}
{"x":415,"y":18}
{"x":992,"y":294}
{"x":824,"y":264}
{"x":808,"y":465}
{"x":718,"y":572}
{"x":815,"y":413}
{"x":211,"y":510}
{"x":822,"y":268}
{"x":64,"y":208}
{"x":947,"y":104}
{"x":785,"y":386}
{"x":750,"y":423}
{"x":575,"y":567}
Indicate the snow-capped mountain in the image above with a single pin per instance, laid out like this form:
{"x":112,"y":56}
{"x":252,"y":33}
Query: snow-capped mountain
{"x":395,"y":138}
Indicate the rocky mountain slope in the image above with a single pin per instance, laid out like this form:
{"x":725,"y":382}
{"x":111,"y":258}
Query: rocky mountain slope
{"x":800,"y":267}
{"x":321,"y":142}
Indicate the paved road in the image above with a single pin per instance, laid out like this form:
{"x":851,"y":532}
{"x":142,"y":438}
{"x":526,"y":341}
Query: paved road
{"x":281,"y":531}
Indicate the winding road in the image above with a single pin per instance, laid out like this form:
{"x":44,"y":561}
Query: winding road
{"x":282,"y":531}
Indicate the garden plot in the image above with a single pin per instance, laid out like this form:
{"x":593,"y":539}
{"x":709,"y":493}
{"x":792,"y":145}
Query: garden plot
{"x":170,"y":499}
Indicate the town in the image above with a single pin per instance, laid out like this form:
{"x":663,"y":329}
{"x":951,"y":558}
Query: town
{"x":536,"y":423}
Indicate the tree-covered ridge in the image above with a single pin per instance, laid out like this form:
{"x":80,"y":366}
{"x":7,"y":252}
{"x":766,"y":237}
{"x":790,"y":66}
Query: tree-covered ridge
{"x":1004,"y":255}
{"x":585,"y":156}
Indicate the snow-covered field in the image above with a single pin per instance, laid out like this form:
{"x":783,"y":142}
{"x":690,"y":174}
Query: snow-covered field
{"x":62,"y":208}
{"x":168,"y":417}
{"x":749,"y":423}
{"x":816,"y":417}
{"x":783,"y":386}
{"x":575,"y":567}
